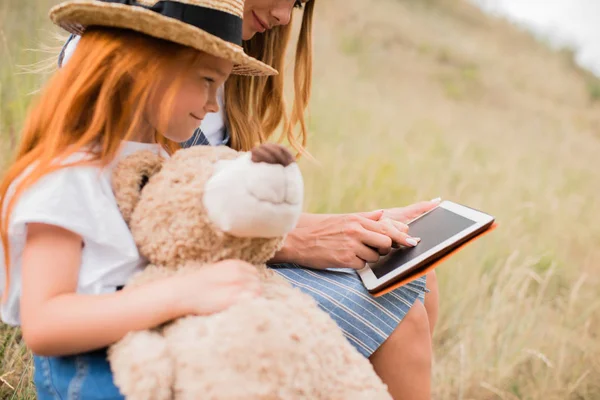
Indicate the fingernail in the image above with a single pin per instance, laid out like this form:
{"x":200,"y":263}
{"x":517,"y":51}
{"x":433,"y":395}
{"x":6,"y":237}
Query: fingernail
{"x":413,"y":241}
{"x":436,"y":200}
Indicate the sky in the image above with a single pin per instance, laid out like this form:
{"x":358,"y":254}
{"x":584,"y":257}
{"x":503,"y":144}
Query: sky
{"x":573,"y":22}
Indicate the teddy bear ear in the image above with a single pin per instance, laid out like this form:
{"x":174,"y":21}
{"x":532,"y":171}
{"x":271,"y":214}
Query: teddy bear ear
{"x":130,"y":176}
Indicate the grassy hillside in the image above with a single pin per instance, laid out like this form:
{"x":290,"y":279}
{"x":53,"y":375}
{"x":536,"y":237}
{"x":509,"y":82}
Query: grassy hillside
{"x":26,"y":39}
{"x":414,"y":100}
{"x":418,"y":99}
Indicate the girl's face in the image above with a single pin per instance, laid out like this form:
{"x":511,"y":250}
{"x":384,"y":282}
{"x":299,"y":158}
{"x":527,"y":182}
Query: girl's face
{"x":261,"y":15}
{"x":196,"y":97}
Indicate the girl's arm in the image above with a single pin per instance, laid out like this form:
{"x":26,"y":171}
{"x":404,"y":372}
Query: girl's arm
{"x":57,"y":321}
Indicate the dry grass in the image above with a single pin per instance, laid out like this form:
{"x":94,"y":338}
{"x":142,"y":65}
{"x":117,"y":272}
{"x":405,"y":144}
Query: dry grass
{"x":414,"y":100}
{"x":23,"y":27}
{"x":433,"y":99}
{"x":24,"y":38}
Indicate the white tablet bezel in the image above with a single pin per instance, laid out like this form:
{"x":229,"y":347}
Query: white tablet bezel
{"x":371,"y":282}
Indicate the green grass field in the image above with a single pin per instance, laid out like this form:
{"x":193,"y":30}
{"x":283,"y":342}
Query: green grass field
{"x":418,"y":99}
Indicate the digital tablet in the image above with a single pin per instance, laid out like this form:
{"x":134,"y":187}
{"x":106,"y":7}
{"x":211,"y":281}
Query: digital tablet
{"x":441,"y":230}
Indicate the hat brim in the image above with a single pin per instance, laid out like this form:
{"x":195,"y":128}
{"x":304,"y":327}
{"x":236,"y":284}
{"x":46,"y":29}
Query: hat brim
{"x":75,"y":16}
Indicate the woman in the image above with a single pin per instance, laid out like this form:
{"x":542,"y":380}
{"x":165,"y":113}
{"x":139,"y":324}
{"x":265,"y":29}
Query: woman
{"x":393,"y":331}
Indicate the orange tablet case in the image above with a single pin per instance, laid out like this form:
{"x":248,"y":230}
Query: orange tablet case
{"x":422,"y":272}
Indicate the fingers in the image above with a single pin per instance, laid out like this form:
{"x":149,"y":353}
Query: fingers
{"x":248,"y":293}
{"x":246,"y":296}
{"x":251,"y":290}
{"x":406,"y":240}
{"x":376,"y":240}
{"x":396,"y":231}
{"x":248,"y":282}
{"x":366,"y":254}
{"x":356,"y":263}
{"x":401,"y":226}
{"x":372,"y":215}
{"x":237,"y":271}
{"x":417,"y":209}
{"x":272,"y":154}
{"x":403,"y":238}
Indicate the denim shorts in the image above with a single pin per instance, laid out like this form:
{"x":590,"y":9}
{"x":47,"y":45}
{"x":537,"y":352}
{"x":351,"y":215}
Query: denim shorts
{"x":84,"y":376}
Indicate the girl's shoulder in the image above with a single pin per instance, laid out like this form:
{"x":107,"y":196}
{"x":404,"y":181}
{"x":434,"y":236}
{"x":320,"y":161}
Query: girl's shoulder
{"x":76,"y":190}
{"x":76,"y":172}
{"x":82,"y":173}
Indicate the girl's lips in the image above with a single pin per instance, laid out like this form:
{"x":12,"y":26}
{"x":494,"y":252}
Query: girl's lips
{"x":260,"y":25}
{"x":193,"y":116}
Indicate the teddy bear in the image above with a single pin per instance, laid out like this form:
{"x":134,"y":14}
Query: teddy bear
{"x":203,"y":205}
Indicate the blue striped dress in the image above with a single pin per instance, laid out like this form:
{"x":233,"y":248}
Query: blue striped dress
{"x":366,"y":321}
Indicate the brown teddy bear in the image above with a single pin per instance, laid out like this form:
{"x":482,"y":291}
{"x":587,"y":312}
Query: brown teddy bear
{"x":204,"y":205}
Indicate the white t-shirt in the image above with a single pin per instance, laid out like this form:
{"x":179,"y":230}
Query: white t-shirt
{"x":79,"y":199}
{"x":213,"y":124}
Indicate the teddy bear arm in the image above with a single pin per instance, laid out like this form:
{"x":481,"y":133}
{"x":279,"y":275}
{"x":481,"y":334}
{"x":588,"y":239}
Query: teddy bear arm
{"x":142,"y":366}
{"x":141,"y":363}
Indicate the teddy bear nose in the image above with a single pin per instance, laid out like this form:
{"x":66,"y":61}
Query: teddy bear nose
{"x":271,"y":153}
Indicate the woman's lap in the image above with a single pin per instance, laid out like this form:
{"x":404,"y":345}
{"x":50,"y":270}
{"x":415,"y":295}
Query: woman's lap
{"x":85,"y":376}
{"x":366,"y":321}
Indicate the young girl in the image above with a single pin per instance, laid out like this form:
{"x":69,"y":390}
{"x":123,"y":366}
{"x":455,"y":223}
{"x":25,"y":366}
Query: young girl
{"x":66,"y":248}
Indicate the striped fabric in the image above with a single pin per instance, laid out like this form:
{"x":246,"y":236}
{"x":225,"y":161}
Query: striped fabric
{"x":198,"y":139}
{"x":63,"y":51}
{"x":366,"y":321}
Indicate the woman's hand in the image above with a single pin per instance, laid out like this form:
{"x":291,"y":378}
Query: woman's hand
{"x":408,"y":213}
{"x":351,"y":240}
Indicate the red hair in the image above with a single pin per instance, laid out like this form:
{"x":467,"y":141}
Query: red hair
{"x":93,"y":103}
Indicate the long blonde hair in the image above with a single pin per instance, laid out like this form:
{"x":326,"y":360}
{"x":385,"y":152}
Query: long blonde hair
{"x":255,"y":106}
{"x":97,"y":100}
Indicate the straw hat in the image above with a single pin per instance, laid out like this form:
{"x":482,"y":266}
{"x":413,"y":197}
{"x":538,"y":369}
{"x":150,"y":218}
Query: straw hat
{"x":213,"y":26}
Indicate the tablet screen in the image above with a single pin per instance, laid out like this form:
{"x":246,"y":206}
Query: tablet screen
{"x":434,"y":228}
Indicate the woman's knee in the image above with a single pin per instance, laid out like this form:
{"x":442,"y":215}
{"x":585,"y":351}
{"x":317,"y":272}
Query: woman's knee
{"x":412,"y":332}
{"x":432,"y":300}
{"x":412,"y":339}
{"x":415,"y":324}
{"x":404,"y":360}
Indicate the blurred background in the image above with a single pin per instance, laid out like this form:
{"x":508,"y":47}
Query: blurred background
{"x":491,"y":103}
